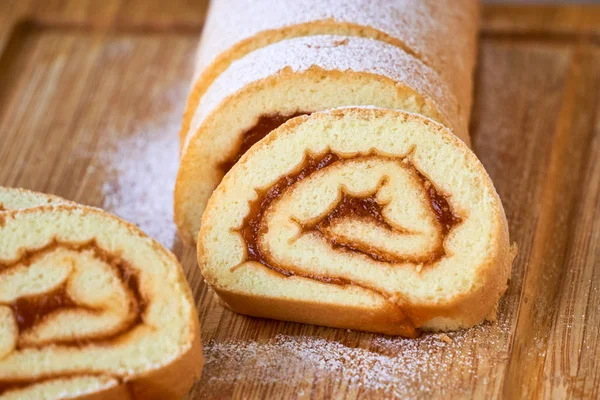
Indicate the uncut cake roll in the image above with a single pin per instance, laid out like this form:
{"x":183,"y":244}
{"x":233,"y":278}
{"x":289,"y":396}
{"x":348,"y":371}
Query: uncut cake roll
{"x":262,"y":90}
{"x":360,"y":218}
{"x":442,"y":35}
{"x":90,"y":307}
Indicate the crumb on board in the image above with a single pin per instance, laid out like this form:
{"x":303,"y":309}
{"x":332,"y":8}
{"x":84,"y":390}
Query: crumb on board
{"x":444,"y":338}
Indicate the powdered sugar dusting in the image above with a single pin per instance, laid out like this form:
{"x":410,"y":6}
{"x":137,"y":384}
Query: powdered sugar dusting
{"x":144,"y":167}
{"x":332,"y":53}
{"x":385,"y":366}
{"x":443,"y":35}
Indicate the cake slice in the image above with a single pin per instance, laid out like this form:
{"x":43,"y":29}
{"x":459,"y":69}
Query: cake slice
{"x":361,"y":218}
{"x":90,"y":307}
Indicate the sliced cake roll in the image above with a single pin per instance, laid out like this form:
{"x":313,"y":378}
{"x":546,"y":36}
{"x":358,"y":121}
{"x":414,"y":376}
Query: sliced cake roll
{"x":90,"y":307}
{"x":441,"y":35}
{"x":298,"y":76}
{"x":359,"y":218}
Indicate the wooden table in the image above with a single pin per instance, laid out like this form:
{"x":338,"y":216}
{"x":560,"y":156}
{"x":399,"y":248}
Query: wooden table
{"x":91,"y":94}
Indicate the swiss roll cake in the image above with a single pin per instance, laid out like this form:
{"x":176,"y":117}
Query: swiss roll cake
{"x":299,"y":76}
{"x":90,"y":307}
{"x":359,"y":218}
{"x":441,"y":35}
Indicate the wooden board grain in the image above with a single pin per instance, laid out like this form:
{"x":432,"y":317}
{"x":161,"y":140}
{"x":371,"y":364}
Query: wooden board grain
{"x":91,"y":96}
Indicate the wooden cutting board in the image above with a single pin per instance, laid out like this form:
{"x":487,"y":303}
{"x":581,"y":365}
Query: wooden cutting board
{"x":91,"y":95}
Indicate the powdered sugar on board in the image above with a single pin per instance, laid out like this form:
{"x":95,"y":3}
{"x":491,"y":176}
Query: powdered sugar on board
{"x":144,"y":167}
{"x":379,"y":366}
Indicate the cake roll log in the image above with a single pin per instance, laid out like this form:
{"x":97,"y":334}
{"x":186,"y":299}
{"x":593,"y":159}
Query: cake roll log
{"x":442,"y":35}
{"x":361,"y":218}
{"x":298,"y":76}
{"x":90,"y":307}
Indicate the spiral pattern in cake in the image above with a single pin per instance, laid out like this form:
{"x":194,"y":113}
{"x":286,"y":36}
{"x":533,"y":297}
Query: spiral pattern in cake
{"x":89,"y":304}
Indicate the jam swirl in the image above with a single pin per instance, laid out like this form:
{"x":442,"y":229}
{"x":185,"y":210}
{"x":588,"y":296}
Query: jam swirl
{"x":31,"y":310}
{"x":348,"y":206}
